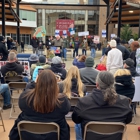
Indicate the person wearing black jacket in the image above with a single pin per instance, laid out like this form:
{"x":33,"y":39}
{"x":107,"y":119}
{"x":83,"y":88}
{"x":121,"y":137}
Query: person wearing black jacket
{"x":103,"y":105}
{"x":124,"y":50}
{"x":12,"y":68}
{"x":129,"y":65}
{"x":35,"y":44}
{"x":124,"y":84}
{"x":3,"y":51}
{"x":44,"y":105}
{"x":57,"y":68}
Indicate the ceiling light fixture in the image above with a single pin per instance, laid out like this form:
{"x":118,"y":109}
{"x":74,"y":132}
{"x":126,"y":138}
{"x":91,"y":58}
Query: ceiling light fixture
{"x":131,"y":11}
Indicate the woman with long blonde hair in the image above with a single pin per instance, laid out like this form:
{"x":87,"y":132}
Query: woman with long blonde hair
{"x":72,"y":85}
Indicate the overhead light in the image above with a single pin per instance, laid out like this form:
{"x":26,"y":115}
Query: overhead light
{"x":131,"y":11}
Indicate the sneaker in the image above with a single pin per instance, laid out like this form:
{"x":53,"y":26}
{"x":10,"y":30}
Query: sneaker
{"x":7,"y":106}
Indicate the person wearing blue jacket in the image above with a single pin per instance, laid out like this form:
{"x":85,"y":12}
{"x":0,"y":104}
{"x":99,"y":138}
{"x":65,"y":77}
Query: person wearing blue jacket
{"x":79,"y":61}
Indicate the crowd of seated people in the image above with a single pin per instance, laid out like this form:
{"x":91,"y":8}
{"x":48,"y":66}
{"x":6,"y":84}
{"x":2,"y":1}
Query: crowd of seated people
{"x":46,"y":99}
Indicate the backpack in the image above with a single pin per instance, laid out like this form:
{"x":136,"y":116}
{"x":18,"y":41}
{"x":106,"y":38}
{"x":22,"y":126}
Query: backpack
{"x":138,"y":61}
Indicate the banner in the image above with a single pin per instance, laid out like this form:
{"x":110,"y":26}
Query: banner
{"x":113,"y":35}
{"x":103,"y":33}
{"x":64,"y":24}
{"x":40,"y":32}
{"x":96,"y":39}
{"x":83,"y":33}
{"x":57,"y":32}
{"x":65,"y":33}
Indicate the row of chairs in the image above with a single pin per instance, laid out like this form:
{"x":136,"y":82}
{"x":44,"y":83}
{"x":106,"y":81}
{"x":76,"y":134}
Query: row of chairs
{"x":108,"y":129}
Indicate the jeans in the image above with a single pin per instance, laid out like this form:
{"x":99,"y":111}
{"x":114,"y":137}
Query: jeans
{"x":84,"y":52}
{"x":93,"y":52}
{"x":75,"y":51}
{"x":35,"y":50}
{"x":64,"y":51}
{"x":78,"y":131}
{"x":103,"y":51}
{"x":5,"y":92}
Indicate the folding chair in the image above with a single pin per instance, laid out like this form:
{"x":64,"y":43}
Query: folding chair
{"x":105,"y":129}
{"x":73,"y":102}
{"x":89,"y":88}
{"x":2,"y":120}
{"x":17,"y":78}
{"x":38,"y":128}
{"x":15,"y":86}
{"x":1,"y":100}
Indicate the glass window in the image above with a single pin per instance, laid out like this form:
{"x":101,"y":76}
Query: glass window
{"x":93,"y":29}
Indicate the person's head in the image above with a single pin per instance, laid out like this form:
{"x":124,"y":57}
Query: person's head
{"x":33,"y":58}
{"x":42,"y":59}
{"x":73,"y":72}
{"x":128,"y":63}
{"x":117,"y":40}
{"x":2,"y":38}
{"x":45,"y":94}
{"x":89,"y":62}
{"x":105,"y":82}
{"x":130,"y":41}
{"x":121,"y":72}
{"x":113,"y":43}
{"x":134,"y":45}
{"x":103,"y":61}
{"x":56,"y":60}
{"x":12,"y":57}
{"x":57,"y":37}
{"x":13,"y":51}
{"x":34,"y":37}
{"x":82,"y":58}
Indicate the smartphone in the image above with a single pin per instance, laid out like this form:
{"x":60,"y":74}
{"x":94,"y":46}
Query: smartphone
{"x":39,"y":71}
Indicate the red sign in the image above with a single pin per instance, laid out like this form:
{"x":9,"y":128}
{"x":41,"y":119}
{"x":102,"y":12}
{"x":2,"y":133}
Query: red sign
{"x":64,"y":24}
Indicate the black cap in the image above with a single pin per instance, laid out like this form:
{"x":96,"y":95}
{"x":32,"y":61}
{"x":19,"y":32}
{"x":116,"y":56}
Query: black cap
{"x":118,"y":40}
{"x":2,"y":38}
{"x":129,"y":62}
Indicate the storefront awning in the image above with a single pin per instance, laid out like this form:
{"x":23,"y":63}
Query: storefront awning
{"x":130,"y":12}
{"x":10,"y":14}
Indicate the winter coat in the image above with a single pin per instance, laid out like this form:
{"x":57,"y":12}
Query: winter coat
{"x":74,"y":87}
{"x":3,"y":52}
{"x":78,"y":63}
{"x":101,"y":67}
{"x":59,"y":70}
{"x":76,"y":44}
{"x":133,"y":71}
{"x":88,"y":75}
{"x":133,"y":56}
{"x":124,"y":86}
{"x":12,"y":69}
{"x":93,"y":108}
{"x":93,"y":45}
{"x":65,"y":43}
{"x":124,"y":50}
{"x":29,"y":114}
{"x":34,"y":43}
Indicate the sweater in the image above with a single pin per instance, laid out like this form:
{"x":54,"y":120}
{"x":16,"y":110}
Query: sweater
{"x":12,"y":69}
{"x":78,"y":63}
{"x":114,"y":59}
{"x":93,"y":107}
{"x":88,"y":75}
{"x":124,"y":86}
{"x":29,"y":114}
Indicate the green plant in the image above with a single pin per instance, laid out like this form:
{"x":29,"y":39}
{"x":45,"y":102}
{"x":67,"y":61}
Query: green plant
{"x":126,"y":32}
{"x":135,"y":36}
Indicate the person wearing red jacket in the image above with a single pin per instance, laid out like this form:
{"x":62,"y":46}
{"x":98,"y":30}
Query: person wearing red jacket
{"x":102,"y":65}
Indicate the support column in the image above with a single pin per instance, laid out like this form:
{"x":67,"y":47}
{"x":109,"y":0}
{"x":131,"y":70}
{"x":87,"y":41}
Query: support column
{"x":18,"y":24}
{"x":43,"y":22}
{"x":108,"y":11}
{"x":119,"y":16}
{"x":86,"y":19}
{"x":3,"y":17}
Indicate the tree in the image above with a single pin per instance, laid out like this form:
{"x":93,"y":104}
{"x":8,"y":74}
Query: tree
{"x":135,"y":36}
{"x":126,"y":32}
